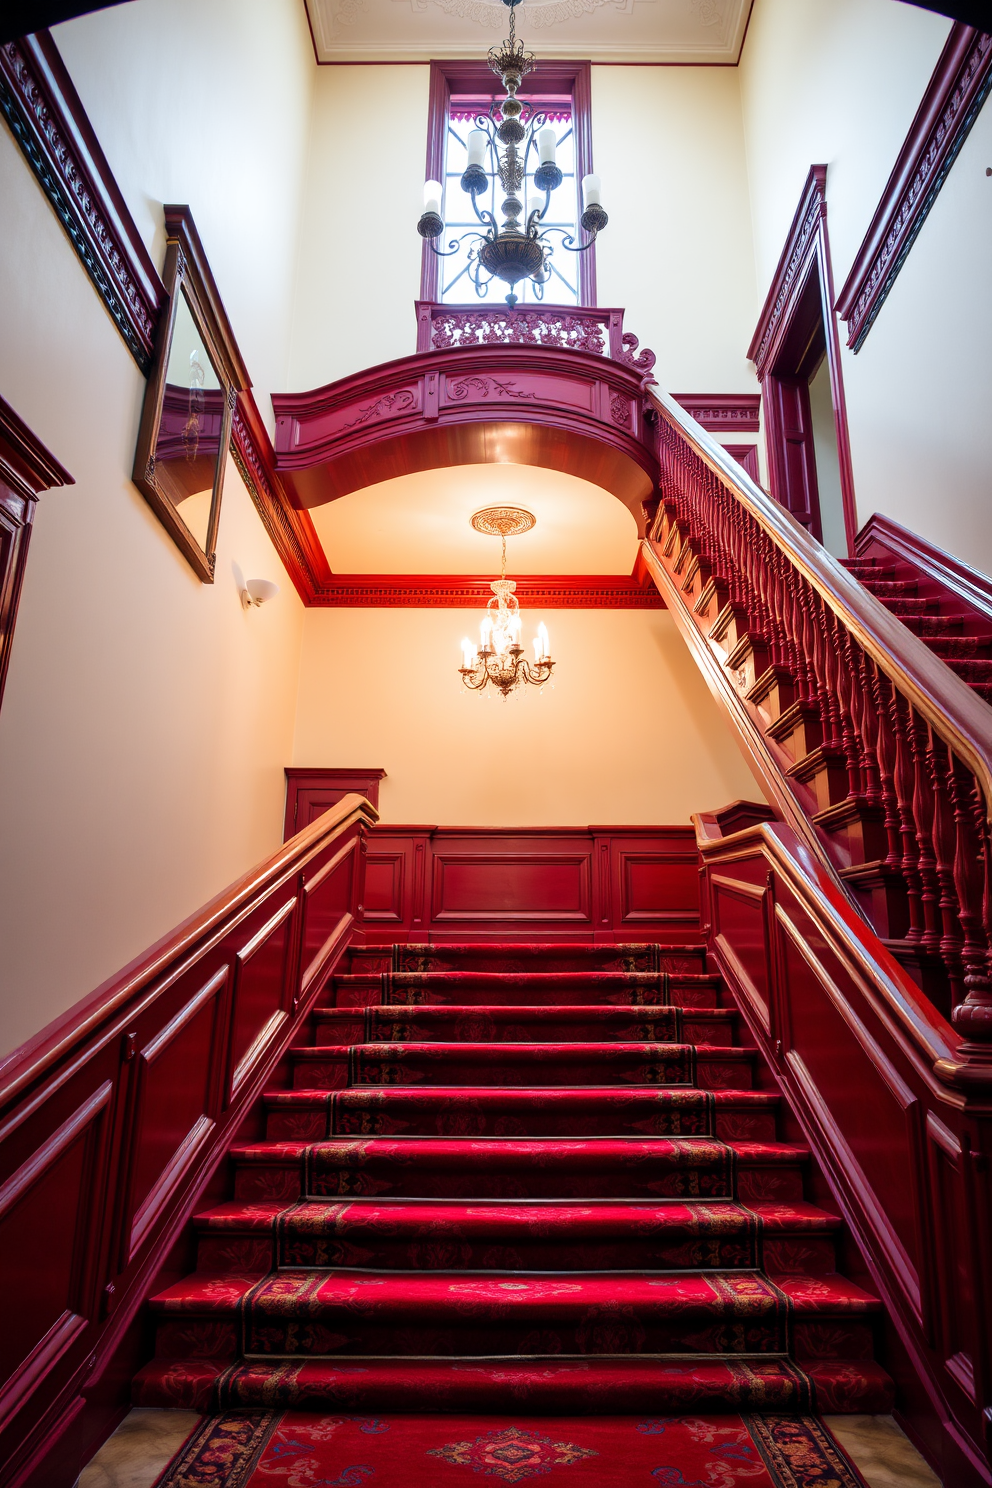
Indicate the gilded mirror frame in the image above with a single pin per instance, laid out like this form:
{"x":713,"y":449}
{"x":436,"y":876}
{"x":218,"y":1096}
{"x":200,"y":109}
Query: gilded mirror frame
{"x":190,"y":288}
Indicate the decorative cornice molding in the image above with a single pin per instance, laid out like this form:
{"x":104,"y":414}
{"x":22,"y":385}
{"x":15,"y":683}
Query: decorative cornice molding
{"x":26,"y":466}
{"x":960,"y":84}
{"x":291,"y":531}
{"x":47,"y":118}
{"x":800,"y":246}
{"x":723,"y":413}
{"x":459,"y":591}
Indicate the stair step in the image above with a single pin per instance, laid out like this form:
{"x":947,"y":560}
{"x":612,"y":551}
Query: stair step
{"x":972,"y":669}
{"x":485,"y":1064}
{"x":464,"y":1314}
{"x":512,"y":1025}
{"x":514,"y":989}
{"x":312,"y":1115}
{"x":959,"y":647}
{"x":423,"y":1235}
{"x":452,"y":1167}
{"x":901,"y":606}
{"x":884,"y":589}
{"x":542,"y":1387}
{"x":550,"y":956}
{"x":932,"y":626}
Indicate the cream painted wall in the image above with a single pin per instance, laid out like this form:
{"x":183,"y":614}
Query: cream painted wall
{"x":147,"y":718}
{"x":677,"y":254}
{"x":628,"y":735}
{"x":209,"y":102}
{"x":359,"y":264}
{"x":838,"y":82}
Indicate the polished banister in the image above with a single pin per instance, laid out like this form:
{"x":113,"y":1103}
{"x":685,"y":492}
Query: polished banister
{"x":876,"y":754}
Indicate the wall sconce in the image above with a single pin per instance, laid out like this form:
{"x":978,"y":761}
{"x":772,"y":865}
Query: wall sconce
{"x":257,"y":591}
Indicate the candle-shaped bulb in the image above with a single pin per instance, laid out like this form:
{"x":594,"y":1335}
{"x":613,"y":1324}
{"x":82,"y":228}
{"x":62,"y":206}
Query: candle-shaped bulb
{"x":468,"y":653}
{"x":485,"y":630}
{"x":591,"y":187}
{"x":542,"y":633}
{"x":432,"y":197}
{"x":537,"y":648}
{"x":478,"y":142}
{"x":546,"y":142}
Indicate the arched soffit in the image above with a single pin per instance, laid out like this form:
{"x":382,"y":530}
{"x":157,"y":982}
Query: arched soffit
{"x":521,"y":405}
{"x":421,"y":524}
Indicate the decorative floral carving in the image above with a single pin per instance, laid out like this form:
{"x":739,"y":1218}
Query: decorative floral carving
{"x":642,"y":363}
{"x":388,"y":403}
{"x":620,"y":410}
{"x":552,"y":327}
{"x":484,"y":386}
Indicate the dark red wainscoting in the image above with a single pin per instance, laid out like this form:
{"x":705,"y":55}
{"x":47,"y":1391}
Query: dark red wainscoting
{"x":569,"y":883}
{"x":114,"y":1119}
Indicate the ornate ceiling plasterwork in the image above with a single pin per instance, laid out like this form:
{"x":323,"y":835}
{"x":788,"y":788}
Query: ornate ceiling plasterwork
{"x":602,"y":30}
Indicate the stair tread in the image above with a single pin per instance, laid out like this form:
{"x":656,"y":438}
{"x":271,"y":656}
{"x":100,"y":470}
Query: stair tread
{"x":525,"y":1215}
{"x":525,"y":1012}
{"x":588,"y":1048}
{"x":537,"y":1147}
{"x":537,"y":1095}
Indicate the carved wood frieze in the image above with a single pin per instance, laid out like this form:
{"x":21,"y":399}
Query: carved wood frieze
{"x":723,"y":413}
{"x":48,"y":121}
{"x":960,"y":84}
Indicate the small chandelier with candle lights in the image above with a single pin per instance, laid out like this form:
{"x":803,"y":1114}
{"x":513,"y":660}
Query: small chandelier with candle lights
{"x":499,"y":660}
{"x":511,"y":250}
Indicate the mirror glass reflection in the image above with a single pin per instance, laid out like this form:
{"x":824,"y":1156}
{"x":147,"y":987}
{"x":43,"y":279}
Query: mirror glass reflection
{"x":189,"y":435}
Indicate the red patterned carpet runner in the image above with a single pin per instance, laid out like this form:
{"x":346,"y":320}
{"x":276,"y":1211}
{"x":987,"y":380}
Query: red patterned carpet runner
{"x":266,"y":1450}
{"x":537,"y":1178}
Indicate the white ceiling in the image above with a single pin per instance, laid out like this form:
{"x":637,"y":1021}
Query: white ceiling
{"x":594,"y":30}
{"x":420,"y":524}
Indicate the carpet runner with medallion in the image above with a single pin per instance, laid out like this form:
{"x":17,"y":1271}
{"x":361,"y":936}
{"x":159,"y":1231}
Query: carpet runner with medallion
{"x":538,"y":1178}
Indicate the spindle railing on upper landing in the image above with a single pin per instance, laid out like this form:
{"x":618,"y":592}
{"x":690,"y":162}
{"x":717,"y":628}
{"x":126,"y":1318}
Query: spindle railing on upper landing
{"x":878,"y":756}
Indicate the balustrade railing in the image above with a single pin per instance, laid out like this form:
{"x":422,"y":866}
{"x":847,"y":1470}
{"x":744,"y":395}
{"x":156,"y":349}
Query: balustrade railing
{"x":591,"y":329}
{"x":886,"y":753}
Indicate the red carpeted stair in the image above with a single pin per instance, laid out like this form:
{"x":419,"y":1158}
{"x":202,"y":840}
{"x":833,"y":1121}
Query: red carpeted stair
{"x":959,"y":638}
{"x":527,"y":1177}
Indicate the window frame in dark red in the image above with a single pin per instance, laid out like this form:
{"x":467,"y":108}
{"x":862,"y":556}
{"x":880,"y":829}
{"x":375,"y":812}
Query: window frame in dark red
{"x":574,"y":78}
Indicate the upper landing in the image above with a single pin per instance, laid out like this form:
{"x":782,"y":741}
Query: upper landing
{"x":557,"y":387}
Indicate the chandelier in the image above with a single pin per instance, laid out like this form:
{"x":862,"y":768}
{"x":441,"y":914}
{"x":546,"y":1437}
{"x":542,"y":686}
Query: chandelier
{"x":499,"y":658}
{"x":511,"y":250}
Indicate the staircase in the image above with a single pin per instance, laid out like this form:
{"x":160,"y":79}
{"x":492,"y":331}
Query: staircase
{"x":538,"y":1177}
{"x":959,"y":638}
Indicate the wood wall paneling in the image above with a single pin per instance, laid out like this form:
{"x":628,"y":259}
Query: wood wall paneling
{"x":858,"y":1051}
{"x":114,"y":1119}
{"x":309,"y":792}
{"x":568,"y":883}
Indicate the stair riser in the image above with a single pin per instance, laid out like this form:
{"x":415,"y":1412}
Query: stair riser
{"x":332,"y":1072}
{"x":663,"y":1027}
{"x":676,"y":960}
{"x":455,"y":990}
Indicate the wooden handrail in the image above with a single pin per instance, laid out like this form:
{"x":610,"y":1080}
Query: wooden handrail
{"x":25,"y":1064}
{"x":877,"y":755}
{"x":944,"y":700}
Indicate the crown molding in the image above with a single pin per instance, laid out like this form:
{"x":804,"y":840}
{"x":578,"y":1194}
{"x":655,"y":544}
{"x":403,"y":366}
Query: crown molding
{"x":460,"y":591}
{"x":960,"y":84}
{"x":26,"y":466}
{"x":723,"y":413}
{"x":49,"y":123}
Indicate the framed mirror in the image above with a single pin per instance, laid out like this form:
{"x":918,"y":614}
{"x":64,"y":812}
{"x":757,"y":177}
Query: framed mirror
{"x":192,"y":389}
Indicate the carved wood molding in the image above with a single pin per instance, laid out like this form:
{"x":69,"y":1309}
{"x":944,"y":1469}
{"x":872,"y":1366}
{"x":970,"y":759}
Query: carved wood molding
{"x":730,"y":413}
{"x":26,"y":466}
{"x":800,"y":246}
{"x":291,"y":531}
{"x":960,"y":84}
{"x":459,"y":591}
{"x":48,"y":121}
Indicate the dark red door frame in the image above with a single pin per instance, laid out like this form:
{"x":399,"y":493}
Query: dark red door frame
{"x":785,"y":348}
{"x":574,"y":78}
{"x":26,"y":469}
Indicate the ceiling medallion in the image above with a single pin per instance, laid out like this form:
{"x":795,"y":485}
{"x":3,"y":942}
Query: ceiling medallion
{"x":511,"y":250}
{"x":499,"y":660}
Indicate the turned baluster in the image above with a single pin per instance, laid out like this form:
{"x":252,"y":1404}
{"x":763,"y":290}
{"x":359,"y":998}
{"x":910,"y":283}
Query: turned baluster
{"x":885,"y":758}
{"x":800,"y":654}
{"x":973,"y":1017}
{"x":826,"y":659}
{"x":868,"y":727}
{"x":923,"y":806}
{"x":844,"y":691}
{"x":943,"y":838}
{"x":899,"y":711}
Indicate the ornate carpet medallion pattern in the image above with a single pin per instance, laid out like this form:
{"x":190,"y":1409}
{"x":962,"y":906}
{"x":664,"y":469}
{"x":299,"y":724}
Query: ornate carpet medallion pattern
{"x":511,"y":1177}
{"x":266,"y":1450}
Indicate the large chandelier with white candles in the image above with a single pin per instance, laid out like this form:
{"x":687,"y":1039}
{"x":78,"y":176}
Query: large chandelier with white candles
{"x":511,"y":250}
{"x":499,"y":660}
